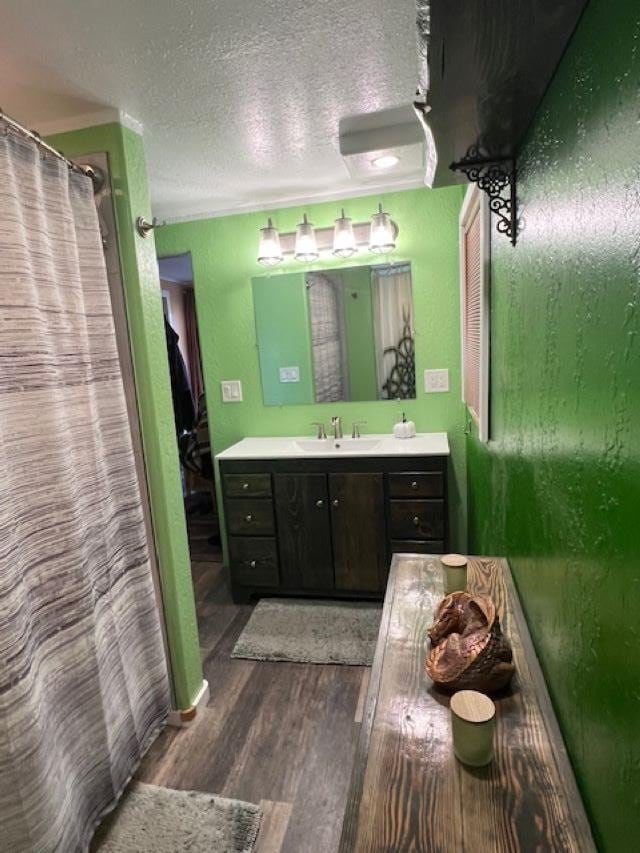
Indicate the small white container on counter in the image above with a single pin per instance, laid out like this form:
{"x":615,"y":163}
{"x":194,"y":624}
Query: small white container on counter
{"x":473,"y":720}
{"x":454,"y":567}
{"x":404,"y":428}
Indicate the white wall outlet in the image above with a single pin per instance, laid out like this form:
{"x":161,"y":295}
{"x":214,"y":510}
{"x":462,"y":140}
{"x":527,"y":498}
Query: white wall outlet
{"x":289,"y":374}
{"x":231,"y":390}
{"x":436,"y":381}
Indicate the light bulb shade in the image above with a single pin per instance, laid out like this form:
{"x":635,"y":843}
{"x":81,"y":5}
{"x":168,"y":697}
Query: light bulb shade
{"x":344,"y":241}
{"x":306,"y":247}
{"x":269,"y":251}
{"x":382,"y":236}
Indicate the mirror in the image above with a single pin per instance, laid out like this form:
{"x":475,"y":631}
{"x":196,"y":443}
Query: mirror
{"x":336,"y":335}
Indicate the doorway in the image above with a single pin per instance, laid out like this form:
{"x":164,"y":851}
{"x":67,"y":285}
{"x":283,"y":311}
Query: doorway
{"x":190,"y":408}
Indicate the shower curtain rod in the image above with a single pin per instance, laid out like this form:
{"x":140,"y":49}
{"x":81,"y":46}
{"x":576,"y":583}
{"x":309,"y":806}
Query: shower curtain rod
{"x":35,"y":137}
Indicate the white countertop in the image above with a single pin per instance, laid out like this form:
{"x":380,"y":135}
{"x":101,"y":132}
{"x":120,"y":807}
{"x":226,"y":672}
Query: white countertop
{"x":304,"y":447}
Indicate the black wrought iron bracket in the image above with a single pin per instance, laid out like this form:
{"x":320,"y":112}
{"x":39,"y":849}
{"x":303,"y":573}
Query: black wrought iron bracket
{"x":497,"y":178}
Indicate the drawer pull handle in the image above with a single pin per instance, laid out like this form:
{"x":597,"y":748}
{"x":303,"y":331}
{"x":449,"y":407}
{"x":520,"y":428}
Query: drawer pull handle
{"x":335,"y":502}
{"x":320,"y":504}
{"x":414,"y":485}
{"x":248,"y":518}
{"x":252,"y":564}
{"x":245,"y":486}
{"x":416,"y":520}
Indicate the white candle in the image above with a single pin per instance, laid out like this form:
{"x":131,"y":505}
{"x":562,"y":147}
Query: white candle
{"x":455,"y":573}
{"x":473,"y":717}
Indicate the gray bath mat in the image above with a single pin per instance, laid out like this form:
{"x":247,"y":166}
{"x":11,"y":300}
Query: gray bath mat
{"x":160,"y":820}
{"x":309,"y":631}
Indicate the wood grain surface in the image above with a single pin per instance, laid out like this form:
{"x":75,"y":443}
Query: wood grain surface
{"x":490,"y":66}
{"x":358,"y":531}
{"x":304,"y":531}
{"x":250,"y":517}
{"x":417,"y":519}
{"x":279,"y":734}
{"x":408,"y":792}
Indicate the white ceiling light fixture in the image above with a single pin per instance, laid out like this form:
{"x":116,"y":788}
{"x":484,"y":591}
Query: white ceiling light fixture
{"x":306,"y":249}
{"x":384,"y":147}
{"x":269,"y":251}
{"x":386,"y":161}
{"x":383,"y":233}
{"x":344,"y":240}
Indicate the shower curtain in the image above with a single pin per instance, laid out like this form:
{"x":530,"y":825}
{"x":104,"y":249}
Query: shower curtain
{"x":392,"y":310}
{"x":323,"y":295}
{"x":83,"y":677}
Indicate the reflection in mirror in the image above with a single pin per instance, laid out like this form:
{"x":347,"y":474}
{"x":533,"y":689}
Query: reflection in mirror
{"x":336,"y":335}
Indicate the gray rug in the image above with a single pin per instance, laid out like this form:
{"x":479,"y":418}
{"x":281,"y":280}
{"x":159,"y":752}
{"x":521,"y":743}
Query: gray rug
{"x":309,"y":631}
{"x":160,"y":820}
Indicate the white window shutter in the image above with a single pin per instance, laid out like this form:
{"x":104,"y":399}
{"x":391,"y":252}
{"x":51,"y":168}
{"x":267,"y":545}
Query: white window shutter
{"x":475,"y":307}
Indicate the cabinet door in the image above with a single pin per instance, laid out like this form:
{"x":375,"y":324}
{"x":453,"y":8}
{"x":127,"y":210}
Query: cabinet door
{"x":304,"y":531}
{"x":358,"y":526}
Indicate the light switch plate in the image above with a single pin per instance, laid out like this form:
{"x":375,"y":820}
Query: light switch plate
{"x":289,"y":374}
{"x":231,"y":390}
{"x":436,"y":381}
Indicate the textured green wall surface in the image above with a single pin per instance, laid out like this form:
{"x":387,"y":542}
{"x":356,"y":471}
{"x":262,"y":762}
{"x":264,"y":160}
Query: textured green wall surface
{"x":361,"y":344}
{"x":223,"y":252}
{"x":284,"y":337}
{"x":144,"y":309}
{"x":557,"y":489}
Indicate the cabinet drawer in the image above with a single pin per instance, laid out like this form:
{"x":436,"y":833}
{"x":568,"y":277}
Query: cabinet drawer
{"x":254,"y":561}
{"x":247,"y":485}
{"x":250,"y":517}
{"x":417,"y":519}
{"x":417,"y":546}
{"x":421,"y":484}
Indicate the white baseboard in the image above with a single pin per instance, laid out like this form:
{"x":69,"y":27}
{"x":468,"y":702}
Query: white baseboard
{"x":182,"y":719}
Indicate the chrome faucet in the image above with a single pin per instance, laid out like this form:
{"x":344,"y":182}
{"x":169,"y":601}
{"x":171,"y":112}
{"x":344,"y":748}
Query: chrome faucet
{"x":355,"y":429}
{"x":320,"y":433}
{"x":336,"y":424}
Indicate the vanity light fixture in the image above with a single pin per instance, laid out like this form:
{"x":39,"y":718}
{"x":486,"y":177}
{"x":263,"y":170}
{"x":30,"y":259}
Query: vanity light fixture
{"x":306,"y":247}
{"x":269,"y":253}
{"x":383,"y":233}
{"x":385,"y":161}
{"x":344,"y":241}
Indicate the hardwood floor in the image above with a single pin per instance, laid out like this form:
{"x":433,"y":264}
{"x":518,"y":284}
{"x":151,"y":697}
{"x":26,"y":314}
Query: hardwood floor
{"x":281,"y":734}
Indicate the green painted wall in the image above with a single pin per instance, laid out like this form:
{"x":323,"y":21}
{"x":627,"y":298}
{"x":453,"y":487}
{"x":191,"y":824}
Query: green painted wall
{"x":223,"y":252}
{"x":557,"y":488}
{"x":283,"y":336}
{"x":142,"y":293}
{"x":361,"y":347}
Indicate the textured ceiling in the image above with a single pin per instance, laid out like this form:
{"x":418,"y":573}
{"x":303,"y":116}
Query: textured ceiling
{"x":240,"y":99}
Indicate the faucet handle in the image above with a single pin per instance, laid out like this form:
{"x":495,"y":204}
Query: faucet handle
{"x":355,"y":430}
{"x":320,"y":433}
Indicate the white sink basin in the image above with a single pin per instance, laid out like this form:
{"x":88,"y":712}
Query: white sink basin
{"x":329,"y":446}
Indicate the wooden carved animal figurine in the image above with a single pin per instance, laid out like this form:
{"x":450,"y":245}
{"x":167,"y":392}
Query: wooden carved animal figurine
{"x":469,"y":650}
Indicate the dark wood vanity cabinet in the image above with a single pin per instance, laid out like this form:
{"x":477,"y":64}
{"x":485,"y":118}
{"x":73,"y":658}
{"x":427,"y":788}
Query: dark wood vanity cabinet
{"x":304,"y":531}
{"x":328,"y":526}
{"x":358,"y":530}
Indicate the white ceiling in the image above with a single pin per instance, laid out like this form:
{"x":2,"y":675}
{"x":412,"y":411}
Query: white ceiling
{"x":240,"y":100}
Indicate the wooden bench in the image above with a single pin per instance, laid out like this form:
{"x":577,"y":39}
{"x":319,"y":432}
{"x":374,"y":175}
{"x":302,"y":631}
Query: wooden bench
{"x":408,"y":792}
